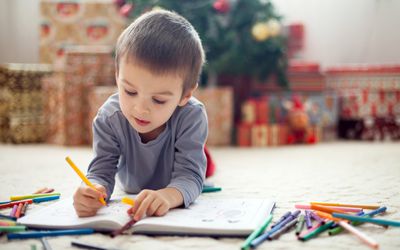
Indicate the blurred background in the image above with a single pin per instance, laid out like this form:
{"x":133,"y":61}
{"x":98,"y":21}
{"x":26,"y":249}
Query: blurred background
{"x":277,"y":73}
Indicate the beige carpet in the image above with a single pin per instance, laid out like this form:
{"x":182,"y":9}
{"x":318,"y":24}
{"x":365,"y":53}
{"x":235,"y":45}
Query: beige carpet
{"x":353,"y":172}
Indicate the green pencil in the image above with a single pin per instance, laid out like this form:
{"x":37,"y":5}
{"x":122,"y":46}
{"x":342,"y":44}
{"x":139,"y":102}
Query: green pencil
{"x":208,"y":189}
{"x":366,"y":219}
{"x":256,"y":233}
{"x":317,"y":231}
{"x":9,"y":229}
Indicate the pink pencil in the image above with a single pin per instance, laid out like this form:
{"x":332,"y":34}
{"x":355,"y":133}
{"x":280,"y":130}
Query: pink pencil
{"x":14,"y":210}
{"x":344,"y":209}
{"x":365,"y":238}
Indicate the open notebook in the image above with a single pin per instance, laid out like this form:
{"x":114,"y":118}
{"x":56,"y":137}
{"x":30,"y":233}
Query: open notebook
{"x":206,"y":216}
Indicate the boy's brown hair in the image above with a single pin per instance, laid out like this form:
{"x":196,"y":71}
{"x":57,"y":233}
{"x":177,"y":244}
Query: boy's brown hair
{"x":163,"y":42}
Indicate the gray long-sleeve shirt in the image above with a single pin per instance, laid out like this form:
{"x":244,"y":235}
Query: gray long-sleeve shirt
{"x":174,"y":159}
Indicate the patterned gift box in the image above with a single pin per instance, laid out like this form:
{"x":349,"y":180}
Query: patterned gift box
{"x":70,"y":22}
{"x":364,"y":91}
{"x":67,"y":90}
{"x":97,"y":96}
{"x":370,"y":128}
{"x":259,"y":135}
{"x":219,"y":106}
{"x":22,"y":102}
{"x":322,"y":108}
{"x":243,"y":135}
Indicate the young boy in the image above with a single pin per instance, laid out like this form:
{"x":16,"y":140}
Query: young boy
{"x":151,"y":134}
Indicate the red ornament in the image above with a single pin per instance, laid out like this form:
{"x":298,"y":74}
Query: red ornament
{"x":222,"y":6}
{"x":126,"y":9}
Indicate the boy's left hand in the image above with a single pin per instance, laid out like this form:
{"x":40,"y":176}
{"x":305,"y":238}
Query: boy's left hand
{"x":155,"y":202}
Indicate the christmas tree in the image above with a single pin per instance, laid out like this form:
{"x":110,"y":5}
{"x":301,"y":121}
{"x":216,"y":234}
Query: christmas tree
{"x":240,"y":37}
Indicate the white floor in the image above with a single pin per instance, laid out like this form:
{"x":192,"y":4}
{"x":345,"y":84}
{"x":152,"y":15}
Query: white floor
{"x":353,"y":172}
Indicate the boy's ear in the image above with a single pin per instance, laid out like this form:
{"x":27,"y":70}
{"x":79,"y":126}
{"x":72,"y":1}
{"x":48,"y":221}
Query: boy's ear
{"x":187,"y":96}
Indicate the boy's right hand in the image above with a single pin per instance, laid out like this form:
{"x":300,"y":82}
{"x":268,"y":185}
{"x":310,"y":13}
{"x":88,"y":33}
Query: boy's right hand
{"x":86,"y":200}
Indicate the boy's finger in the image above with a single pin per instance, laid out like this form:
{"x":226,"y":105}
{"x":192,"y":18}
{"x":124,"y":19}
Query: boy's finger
{"x":143,"y":207}
{"x":153,"y":207}
{"x":95,"y":194}
{"x":139,"y":199}
{"x":163,"y":209}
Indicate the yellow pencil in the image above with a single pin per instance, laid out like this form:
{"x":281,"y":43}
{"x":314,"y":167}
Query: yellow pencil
{"x":128,"y":201}
{"x":83,"y":177}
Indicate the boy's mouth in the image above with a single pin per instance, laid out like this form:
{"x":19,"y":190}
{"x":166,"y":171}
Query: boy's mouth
{"x":141,"y":122}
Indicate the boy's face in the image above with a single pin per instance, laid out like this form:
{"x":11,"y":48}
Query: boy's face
{"x":148,"y":100}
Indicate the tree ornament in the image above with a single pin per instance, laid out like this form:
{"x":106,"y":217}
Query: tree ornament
{"x":157,"y":8}
{"x":119,"y":3}
{"x":222,"y":6}
{"x":274,"y":27}
{"x":126,"y":9}
{"x":260,"y":31}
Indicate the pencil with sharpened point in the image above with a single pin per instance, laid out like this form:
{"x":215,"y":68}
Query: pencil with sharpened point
{"x":83,"y":177}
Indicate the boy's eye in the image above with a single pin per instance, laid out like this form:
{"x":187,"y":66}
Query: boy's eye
{"x":130,"y":93}
{"x":158,"y":101}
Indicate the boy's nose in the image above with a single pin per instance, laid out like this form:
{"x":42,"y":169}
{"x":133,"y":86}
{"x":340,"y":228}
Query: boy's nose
{"x":141,"y":108}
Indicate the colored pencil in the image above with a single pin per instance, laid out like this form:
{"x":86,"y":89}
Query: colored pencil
{"x":19,"y":209}
{"x":256,"y":232}
{"x":365,"y":238}
{"x":31,"y":196}
{"x":344,"y":209}
{"x":39,"y":234}
{"x":366,"y":219}
{"x":83,"y":177}
{"x":316,"y":231}
{"x":9,"y":229}
{"x":345,"y":205}
{"x":12,"y":203}
{"x":128,"y":201}
{"x":326,"y":209}
{"x":300,"y":224}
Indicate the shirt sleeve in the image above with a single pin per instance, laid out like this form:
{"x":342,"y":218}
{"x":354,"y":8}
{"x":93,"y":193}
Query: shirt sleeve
{"x":190,"y":161}
{"x":107,"y":151}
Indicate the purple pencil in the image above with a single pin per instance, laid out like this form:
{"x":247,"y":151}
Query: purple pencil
{"x":307,"y":219}
{"x":317,"y":218}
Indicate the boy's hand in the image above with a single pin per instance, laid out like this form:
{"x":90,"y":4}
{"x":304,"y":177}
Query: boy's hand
{"x":155,"y":202}
{"x":86,"y":200}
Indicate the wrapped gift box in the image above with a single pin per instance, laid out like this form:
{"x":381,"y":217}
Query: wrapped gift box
{"x":364,"y":91}
{"x":21,"y":105}
{"x":4,"y":119}
{"x":67,"y":104}
{"x":70,"y":22}
{"x":323,"y":108}
{"x":370,"y":128}
{"x":219,"y":106}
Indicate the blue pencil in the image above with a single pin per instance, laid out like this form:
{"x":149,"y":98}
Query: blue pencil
{"x":40,"y":234}
{"x":367,"y":219}
{"x":47,"y":198}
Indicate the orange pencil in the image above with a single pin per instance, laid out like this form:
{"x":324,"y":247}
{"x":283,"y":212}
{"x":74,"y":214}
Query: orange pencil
{"x":18,"y":212}
{"x":345,"y":205}
{"x":326,"y":209}
{"x":327,"y":216}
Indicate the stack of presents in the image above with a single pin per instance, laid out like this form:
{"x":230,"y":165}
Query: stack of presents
{"x":55,"y":101}
{"x":369,"y":101}
{"x":349,"y":102}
